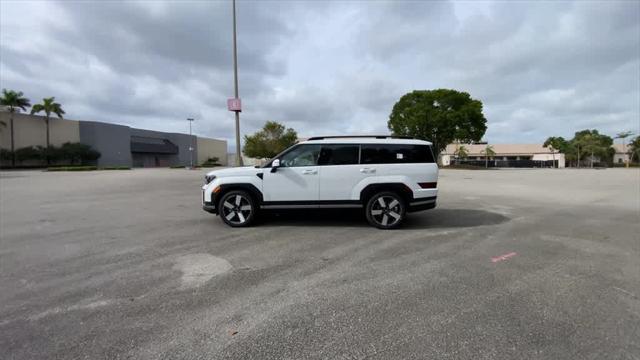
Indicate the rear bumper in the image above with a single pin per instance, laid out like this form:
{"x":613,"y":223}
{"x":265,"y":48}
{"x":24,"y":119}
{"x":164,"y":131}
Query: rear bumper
{"x":421,"y":204}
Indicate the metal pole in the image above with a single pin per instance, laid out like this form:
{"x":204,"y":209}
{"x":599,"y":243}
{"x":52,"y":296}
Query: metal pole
{"x":235,"y":77}
{"x":13,"y":150}
{"x":190,"y":120}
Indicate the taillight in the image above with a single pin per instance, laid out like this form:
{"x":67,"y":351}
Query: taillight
{"x":428,"y":185}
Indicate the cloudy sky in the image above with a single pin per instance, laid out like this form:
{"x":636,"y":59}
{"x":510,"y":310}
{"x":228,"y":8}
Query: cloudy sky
{"x":540,"y":68}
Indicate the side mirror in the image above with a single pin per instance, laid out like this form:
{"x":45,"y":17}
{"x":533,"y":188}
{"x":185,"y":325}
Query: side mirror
{"x":275,"y":164}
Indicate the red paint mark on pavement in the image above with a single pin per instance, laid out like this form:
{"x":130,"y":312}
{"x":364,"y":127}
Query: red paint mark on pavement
{"x":502,"y":257}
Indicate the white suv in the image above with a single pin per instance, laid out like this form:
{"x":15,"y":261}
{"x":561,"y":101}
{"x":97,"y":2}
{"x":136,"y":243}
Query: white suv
{"x":387,"y":176}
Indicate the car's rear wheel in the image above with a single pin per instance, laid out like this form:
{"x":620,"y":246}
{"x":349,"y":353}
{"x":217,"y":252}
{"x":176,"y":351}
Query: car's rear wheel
{"x":386,"y":210}
{"x":237,"y":208}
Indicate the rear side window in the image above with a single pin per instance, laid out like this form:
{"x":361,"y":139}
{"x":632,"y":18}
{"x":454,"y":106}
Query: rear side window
{"x":396,"y":154}
{"x":346,"y":154}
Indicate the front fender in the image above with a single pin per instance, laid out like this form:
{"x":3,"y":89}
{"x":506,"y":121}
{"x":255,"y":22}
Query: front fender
{"x":255,"y":181}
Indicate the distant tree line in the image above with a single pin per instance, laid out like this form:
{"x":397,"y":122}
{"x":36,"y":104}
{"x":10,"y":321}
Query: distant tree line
{"x":442,"y":116}
{"x":14,"y":101}
{"x":66,"y":154}
{"x":589,"y":146}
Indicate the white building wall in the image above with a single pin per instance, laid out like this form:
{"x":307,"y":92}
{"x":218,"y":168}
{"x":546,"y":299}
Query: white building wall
{"x":31,"y":130}
{"x":207,"y":148}
{"x":549,"y":157}
{"x":620,"y":158}
{"x":445,"y":160}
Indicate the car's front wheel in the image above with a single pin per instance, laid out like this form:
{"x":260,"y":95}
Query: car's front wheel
{"x":386,"y":210}
{"x":237,"y":208}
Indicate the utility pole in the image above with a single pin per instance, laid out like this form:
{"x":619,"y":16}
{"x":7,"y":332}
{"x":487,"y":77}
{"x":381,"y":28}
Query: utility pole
{"x":190,"y":120}
{"x":235,"y":77}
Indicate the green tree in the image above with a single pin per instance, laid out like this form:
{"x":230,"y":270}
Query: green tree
{"x":440,"y":116}
{"x":13,"y":100}
{"x":556,"y":144}
{"x":268,"y":142}
{"x":488,"y":152}
{"x":48,"y":106}
{"x":634,"y":149}
{"x":462,"y":152}
{"x":592,"y":143}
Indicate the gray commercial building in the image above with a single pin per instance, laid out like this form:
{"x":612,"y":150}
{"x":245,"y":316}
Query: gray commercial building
{"x":119,"y":145}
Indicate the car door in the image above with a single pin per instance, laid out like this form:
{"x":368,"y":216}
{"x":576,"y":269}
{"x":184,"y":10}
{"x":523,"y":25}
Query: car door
{"x":340,"y":171}
{"x":297,"y":178}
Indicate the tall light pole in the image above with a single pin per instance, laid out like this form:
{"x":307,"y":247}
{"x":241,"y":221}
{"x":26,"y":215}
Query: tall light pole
{"x":235,"y":77}
{"x":190,"y":120}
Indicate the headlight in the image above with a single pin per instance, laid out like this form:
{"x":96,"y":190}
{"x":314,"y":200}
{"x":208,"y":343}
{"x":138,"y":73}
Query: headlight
{"x":208,"y":178}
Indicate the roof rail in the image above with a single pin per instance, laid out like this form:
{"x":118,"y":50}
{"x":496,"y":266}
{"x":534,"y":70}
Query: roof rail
{"x":361,"y":136}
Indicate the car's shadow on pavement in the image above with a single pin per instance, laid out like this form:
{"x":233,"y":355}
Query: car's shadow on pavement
{"x":452,"y":218}
{"x":432,"y":219}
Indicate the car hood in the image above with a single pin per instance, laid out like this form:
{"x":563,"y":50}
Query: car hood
{"x":236,"y":171}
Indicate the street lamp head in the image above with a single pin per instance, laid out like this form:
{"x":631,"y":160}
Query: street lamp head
{"x":189,"y":119}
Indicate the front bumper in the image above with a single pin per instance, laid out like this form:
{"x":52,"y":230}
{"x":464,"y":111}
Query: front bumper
{"x":207,"y":206}
{"x":210,"y":208}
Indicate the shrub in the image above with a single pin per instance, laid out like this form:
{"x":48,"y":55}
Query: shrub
{"x":72,"y":168}
{"x":67,"y":154}
{"x":30,"y":153}
{"x":5,"y":154}
{"x":78,"y":153}
{"x":211,"y":162}
{"x":624,"y":165}
{"x":116,"y":168}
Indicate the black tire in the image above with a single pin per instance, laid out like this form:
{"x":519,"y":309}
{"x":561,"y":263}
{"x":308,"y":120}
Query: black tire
{"x":237,"y":208}
{"x":386,"y":210}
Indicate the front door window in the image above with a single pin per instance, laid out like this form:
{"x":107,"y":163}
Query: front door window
{"x":303,"y":155}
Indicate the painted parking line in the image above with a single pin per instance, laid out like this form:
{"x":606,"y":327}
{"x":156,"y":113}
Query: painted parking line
{"x":503,"y":257}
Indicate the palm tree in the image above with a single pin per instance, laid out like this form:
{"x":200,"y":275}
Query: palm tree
{"x":462,"y":152}
{"x":488,"y":152}
{"x":48,"y":106}
{"x":13,"y":100}
{"x":555,"y":144}
{"x":623,"y":135}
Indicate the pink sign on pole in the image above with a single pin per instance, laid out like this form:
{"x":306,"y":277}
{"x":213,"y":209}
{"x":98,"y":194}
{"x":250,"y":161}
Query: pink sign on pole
{"x":234,"y":104}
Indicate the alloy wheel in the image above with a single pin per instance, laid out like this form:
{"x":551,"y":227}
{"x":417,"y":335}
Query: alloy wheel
{"x":236,"y":209}
{"x":386,"y":210}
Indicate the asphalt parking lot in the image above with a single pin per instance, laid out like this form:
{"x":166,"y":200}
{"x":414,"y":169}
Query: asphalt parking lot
{"x":512,"y":264}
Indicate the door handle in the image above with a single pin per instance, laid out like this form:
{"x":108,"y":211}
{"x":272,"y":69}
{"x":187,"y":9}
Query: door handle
{"x":309,"y":172}
{"x":367,"y":170}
